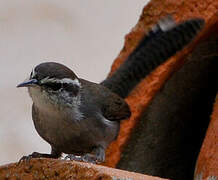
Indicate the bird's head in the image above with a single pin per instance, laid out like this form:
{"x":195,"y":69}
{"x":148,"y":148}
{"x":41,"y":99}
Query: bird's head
{"x":53,"y":81}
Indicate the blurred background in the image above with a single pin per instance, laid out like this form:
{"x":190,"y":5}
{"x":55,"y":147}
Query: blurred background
{"x":84,"y":35}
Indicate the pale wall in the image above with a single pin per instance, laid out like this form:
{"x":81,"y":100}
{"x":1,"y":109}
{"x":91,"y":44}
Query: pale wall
{"x":84,"y":35}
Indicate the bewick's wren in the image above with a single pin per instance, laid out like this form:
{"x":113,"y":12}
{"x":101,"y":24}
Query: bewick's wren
{"x":78,"y":117}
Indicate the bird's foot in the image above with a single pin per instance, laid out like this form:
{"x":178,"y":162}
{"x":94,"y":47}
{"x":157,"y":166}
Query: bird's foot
{"x":27,"y":159}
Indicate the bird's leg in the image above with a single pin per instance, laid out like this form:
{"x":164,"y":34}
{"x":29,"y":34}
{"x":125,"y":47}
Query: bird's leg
{"x":54,"y":154}
{"x":97,"y":156}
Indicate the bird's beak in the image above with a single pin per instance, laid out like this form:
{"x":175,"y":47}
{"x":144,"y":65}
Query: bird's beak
{"x":28,"y":83}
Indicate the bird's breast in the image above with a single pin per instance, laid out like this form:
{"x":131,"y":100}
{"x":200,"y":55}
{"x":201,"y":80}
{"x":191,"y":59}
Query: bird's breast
{"x":66,"y":133}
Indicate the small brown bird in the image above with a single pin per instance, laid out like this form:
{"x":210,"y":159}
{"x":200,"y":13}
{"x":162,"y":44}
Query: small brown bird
{"x":81,"y":118}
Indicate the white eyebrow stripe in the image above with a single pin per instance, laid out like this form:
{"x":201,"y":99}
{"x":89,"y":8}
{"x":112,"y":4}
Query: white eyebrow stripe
{"x":33,"y":73}
{"x":64,"y":80}
{"x":71,"y":81}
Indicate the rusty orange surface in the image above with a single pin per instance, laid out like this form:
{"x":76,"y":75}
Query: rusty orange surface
{"x":207,"y":164}
{"x":145,"y":91}
{"x":60,"y":169}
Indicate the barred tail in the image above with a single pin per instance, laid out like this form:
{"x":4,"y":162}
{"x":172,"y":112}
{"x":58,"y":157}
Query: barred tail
{"x":162,"y":42}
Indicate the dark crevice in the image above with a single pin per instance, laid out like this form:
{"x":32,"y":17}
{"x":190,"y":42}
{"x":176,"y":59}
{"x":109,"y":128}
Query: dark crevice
{"x":169,"y":135}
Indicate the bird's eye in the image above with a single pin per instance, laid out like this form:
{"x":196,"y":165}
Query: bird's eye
{"x":74,"y":89}
{"x":54,"y":86}
{"x":33,"y":75}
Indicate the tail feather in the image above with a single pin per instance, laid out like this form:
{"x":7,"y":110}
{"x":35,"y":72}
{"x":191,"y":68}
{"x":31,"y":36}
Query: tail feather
{"x":163,"y":25}
{"x":162,"y":42}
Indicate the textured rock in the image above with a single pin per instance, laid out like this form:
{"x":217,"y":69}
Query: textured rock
{"x":145,"y":91}
{"x":207,"y":164}
{"x":59,"y":169}
{"x":169,"y":134}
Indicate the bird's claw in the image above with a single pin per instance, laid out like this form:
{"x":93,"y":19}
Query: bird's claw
{"x":27,"y":159}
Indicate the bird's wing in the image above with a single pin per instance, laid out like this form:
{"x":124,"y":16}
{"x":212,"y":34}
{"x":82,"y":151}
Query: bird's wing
{"x":155,"y":48}
{"x":115,"y":108}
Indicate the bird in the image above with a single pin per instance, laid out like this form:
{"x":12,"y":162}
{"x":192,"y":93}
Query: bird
{"x":81,"y":118}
